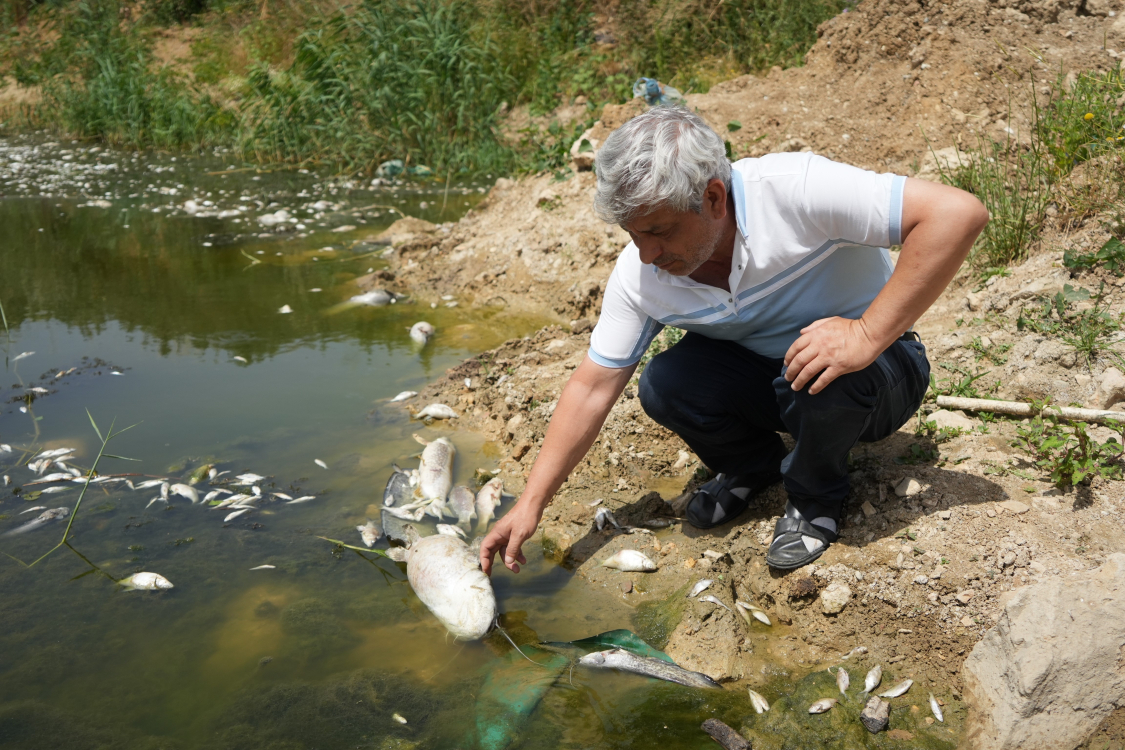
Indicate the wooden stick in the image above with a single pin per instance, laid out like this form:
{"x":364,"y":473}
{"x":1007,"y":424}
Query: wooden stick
{"x":1019,"y":409}
{"x":725,"y":736}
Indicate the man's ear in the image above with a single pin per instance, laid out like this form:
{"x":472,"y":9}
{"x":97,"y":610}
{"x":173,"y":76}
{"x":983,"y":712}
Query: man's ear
{"x":715,"y":199}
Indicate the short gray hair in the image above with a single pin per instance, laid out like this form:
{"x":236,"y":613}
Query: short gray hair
{"x":664,"y":157}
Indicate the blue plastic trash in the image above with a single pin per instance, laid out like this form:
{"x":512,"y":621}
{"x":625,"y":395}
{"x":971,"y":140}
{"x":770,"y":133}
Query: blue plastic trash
{"x":654,"y":92}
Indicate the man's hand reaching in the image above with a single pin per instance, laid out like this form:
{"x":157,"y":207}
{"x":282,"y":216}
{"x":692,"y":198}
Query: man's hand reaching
{"x":830,"y":347}
{"x":507,"y":537}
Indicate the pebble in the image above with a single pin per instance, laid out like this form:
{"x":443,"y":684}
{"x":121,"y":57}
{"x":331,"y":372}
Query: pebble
{"x":945,"y":515}
{"x":1015,"y":506}
{"x":834,"y":598}
{"x":867,"y":508}
{"x":921,"y":580}
{"x":626,"y":587}
{"x":990,"y":513}
{"x":967,"y":622}
{"x":908,"y":487}
{"x":712,"y":554}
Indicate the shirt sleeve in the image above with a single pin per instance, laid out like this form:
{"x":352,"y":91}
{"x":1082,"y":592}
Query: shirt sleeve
{"x":624,"y":330}
{"x":853,"y":204}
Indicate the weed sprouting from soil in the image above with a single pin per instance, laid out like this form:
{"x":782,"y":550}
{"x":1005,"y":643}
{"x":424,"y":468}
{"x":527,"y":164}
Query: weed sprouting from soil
{"x":1087,"y":330}
{"x":1069,"y":455}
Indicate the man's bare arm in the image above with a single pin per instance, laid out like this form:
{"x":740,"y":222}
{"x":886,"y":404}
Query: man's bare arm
{"x":939,"y":225}
{"x":585,"y":402}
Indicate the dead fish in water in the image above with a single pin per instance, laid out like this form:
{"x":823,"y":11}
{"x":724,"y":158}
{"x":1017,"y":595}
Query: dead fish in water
{"x":54,"y":452}
{"x":149,"y":483}
{"x":488,"y":500}
{"x":436,"y":411}
{"x":435,"y":471}
{"x":857,"y":651}
{"x":145,"y":582}
{"x":752,"y":611}
{"x":41,"y":520}
{"x":822,"y":705}
{"x":375,"y":298}
{"x":873,"y":678}
{"x":604,"y":516}
{"x":263,"y":567}
{"x":186,"y":492}
{"x":370,"y":533}
{"x":241,"y":359}
{"x":448,"y":530}
{"x":236,"y":514}
{"x":616,"y":658}
{"x":421,"y":332}
{"x":446,"y":576}
{"x":760,"y":704}
{"x":232,"y":500}
{"x":157,"y":499}
{"x":320,"y":463}
{"x":398,"y":717}
{"x":53,"y":490}
{"x":714,"y":600}
{"x":897,"y":690}
{"x":249,"y":479}
{"x":700,"y":587}
{"x":214,"y":494}
{"x":23,"y":355}
{"x":463,"y":505}
{"x":936,"y":709}
{"x":32,"y":510}
{"x":401,"y":530}
{"x":398,"y":489}
{"x":57,"y":476}
{"x":282,"y":496}
{"x":843,"y":679}
{"x":303,"y":499}
{"x":404,"y":395}
{"x":630,"y":561}
{"x":407,"y":513}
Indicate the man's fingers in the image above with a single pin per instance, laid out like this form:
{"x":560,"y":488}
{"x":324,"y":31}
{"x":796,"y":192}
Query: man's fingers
{"x":488,"y":549}
{"x":815,"y":324}
{"x":795,"y":348}
{"x":799,"y":362}
{"x":513,"y":553}
{"x":808,"y":372}
{"x":826,"y":377}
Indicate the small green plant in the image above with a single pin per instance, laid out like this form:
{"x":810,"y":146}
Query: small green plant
{"x":917,"y":454}
{"x":1111,"y":255}
{"x":664,"y":341}
{"x":1086,"y":330}
{"x":994,"y":353}
{"x":951,"y":386}
{"x":1068,"y":455}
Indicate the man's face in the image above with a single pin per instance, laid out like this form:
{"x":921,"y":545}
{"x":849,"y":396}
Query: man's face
{"x":678,"y":242}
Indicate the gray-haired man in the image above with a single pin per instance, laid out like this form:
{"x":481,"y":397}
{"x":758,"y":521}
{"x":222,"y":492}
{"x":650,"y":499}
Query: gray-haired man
{"x":797,"y":321}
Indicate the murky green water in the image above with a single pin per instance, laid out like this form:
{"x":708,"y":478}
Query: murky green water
{"x":172,"y":326}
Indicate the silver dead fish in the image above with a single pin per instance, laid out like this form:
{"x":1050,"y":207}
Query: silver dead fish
{"x":463,"y":505}
{"x":145,"y":582}
{"x":398,"y":489}
{"x":488,"y":500}
{"x":421,"y":332}
{"x":303,"y":499}
{"x":936,"y":709}
{"x":843,"y":679}
{"x":700,"y":587}
{"x":857,"y":651}
{"x":435,"y":472}
{"x":404,"y":395}
{"x":752,"y":611}
{"x":715,"y":600}
{"x":32,"y":510}
{"x":320,"y":463}
{"x":873,"y":678}
{"x":604,"y":516}
{"x":760,"y":704}
{"x":185,"y":491}
{"x":630,"y":561}
{"x":236,"y":514}
{"x":629,"y":662}
{"x":822,"y":705}
{"x":436,"y":411}
{"x":448,"y":530}
{"x":897,"y":690}
{"x":263,"y":567}
{"x":41,"y":520}
{"x":370,"y":533}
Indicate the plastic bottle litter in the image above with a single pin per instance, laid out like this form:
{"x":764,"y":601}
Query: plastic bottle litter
{"x":656,"y":93}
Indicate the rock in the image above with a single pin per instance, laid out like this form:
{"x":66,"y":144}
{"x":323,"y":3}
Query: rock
{"x":583,"y":151}
{"x":875,"y":714}
{"x":867,"y":508}
{"x":1014,"y":506}
{"x":921,"y":580}
{"x":724,"y":735}
{"x":943,"y":159}
{"x":1049,"y":672}
{"x":792,"y":145}
{"x":626,"y":587}
{"x":965,"y":596}
{"x":945,"y":515}
{"x":908,"y":487}
{"x":1037,"y":566}
{"x":900,"y":734}
{"x":967,"y":622}
{"x":405,"y":230}
{"x":951,"y":420}
{"x":834,"y":598}
{"x":974,"y":301}
{"x":1110,"y":390}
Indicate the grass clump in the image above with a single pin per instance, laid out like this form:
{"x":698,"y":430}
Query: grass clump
{"x":1068,"y":454}
{"x":1087,"y":329}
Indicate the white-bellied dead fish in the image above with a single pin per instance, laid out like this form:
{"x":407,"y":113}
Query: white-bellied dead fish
{"x":822,"y":705}
{"x":282,"y":496}
{"x":435,"y":472}
{"x":229,"y":501}
{"x":58,"y":476}
{"x":448,"y":530}
{"x":897,"y":690}
{"x":463,"y":505}
{"x":714,"y":600}
{"x":398,"y":489}
{"x":398,"y":717}
{"x":857,"y":651}
{"x":630,"y":561}
{"x":263,"y":567}
{"x":626,"y":661}
{"x":148,"y":483}
{"x":760,"y":704}
{"x":413,"y":512}
{"x":873,"y":678}
{"x":370,"y":533}
{"x":53,"y":490}
{"x":700,"y":587}
{"x":749,"y":610}
{"x":435,"y":411}
{"x":446,"y":576}
{"x":374,"y":298}
{"x":320,"y":463}
{"x":186,"y":492}
{"x":302,"y":499}
{"x":403,"y":396}
{"x":488,"y":500}
{"x":604,"y":516}
{"x":421,"y":332}
{"x":145,"y":582}
{"x":936,"y":709}
{"x":32,"y":510}
{"x":843,"y":679}
{"x":236,"y":514}
{"x":401,"y":530}
{"x":42,"y":519}
{"x":248,"y":479}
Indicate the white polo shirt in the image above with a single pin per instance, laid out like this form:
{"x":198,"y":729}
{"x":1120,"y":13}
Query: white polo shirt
{"x":811,"y":244}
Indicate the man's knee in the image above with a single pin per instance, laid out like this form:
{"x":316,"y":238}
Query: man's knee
{"x":659,"y":385}
{"x":851,"y":389}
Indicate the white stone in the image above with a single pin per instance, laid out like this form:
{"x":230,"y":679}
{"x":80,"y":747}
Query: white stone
{"x":1110,"y":390}
{"x":834,"y":598}
{"x":1049,"y":672}
{"x":582,"y":156}
{"x":908,"y":487}
{"x":951,"y":420}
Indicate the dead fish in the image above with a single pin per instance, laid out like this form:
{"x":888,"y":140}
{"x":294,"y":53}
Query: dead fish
{"x":32,"y":510}
{"x":658,"y":523}
{"x":185,"y":491}
{"x":5,"y":448}
{"x":463,"y":504}
{"x":157,"y":499}
{"x":822,"y":705}
{"x":857,"y":651}
{"x":232,"y":500}
{"x":37,"y":389}
{"x":375,"y":298}
{"x":604,"y":516}
{"x":282,"y":496}
{"x":760,"y":704}
{"x":936,"y":709}
{"x":52,"y":490}
{"x":843,"y":679}
{"x":404,"y":395}
{"x":897,"y":690}
{"x":398,"y":489}
{"x":248,"y":479}
{"x":446,"y":576}
{"x":398,"y":717}
{"x":213,"y":494}
{"x":165,"y":488}
{"x":873,"y":678}
{"x":145,"y":582}
{"x":626,"y":661}
{"x":630,"y":561}
{"x":41,"y":520}
{"x":285,"y":309}
{"x":700,"y":587}
{"x":241,"y":359}
{"x":23,"y":355}
{"x":488,"y":500}
{"x":435,"y":471}
{"x":7,"y":480}
{"x":436,"y":411}
{"x":407,"y":513}
{"x":58,"y":476}
{"x":421,"y":332}
{"x":149,"y":483}
{"x":448,"y":530}
{"x":213,"y":473}
{"x":714,"y":600}
{"x":256,"y":490}
{"x":263,"y":567}
{"x":303,"y":499}
{"x":755,"y":612}
{"x":370,"y":533}
{"x":595,"y":504}
{"x":236,"y":514}
{"x":320,"y":463}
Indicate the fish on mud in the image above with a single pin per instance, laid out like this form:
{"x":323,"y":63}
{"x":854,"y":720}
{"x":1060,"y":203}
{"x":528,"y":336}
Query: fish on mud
{"x":604,"y":516}
{"x":760,"y":704}
{"x":843,"y":679}
{"x":630,"y":561}
{"x":822,"y":705}
{"x":897,"y":690}
{"x":626,"y":661}
{"x":448,"y":530}
{"x":398,"y":489}
{"x":403,"y":396}
{"x":873,"y":678}
{"x":935,"y":708}
{"x":435,"y":472}
{"x":749,"y":610}
{"x":714,"y":600}
{"x":857,"y":651}
{"x":145,"y":582}
{"x":488,"y":500}
{"x":42,"y":519}
{"x":370,"y":533}
{"x":446,"y":577}
{"x":463,"y":505}
{"x":436,"y":411}
{"x":700,"y":587}
{"x":421,"y":332}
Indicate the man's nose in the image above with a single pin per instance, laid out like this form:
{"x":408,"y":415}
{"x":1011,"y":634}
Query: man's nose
{"x":649,"y":251}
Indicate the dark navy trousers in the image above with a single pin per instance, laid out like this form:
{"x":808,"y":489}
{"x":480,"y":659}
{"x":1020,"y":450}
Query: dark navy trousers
{"x":729,"y":404}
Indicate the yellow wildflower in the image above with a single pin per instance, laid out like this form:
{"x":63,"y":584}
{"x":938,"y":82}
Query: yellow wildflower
{"x":1088,"y":116}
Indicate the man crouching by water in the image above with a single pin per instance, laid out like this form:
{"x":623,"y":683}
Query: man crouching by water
{"x":796,"y":321}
